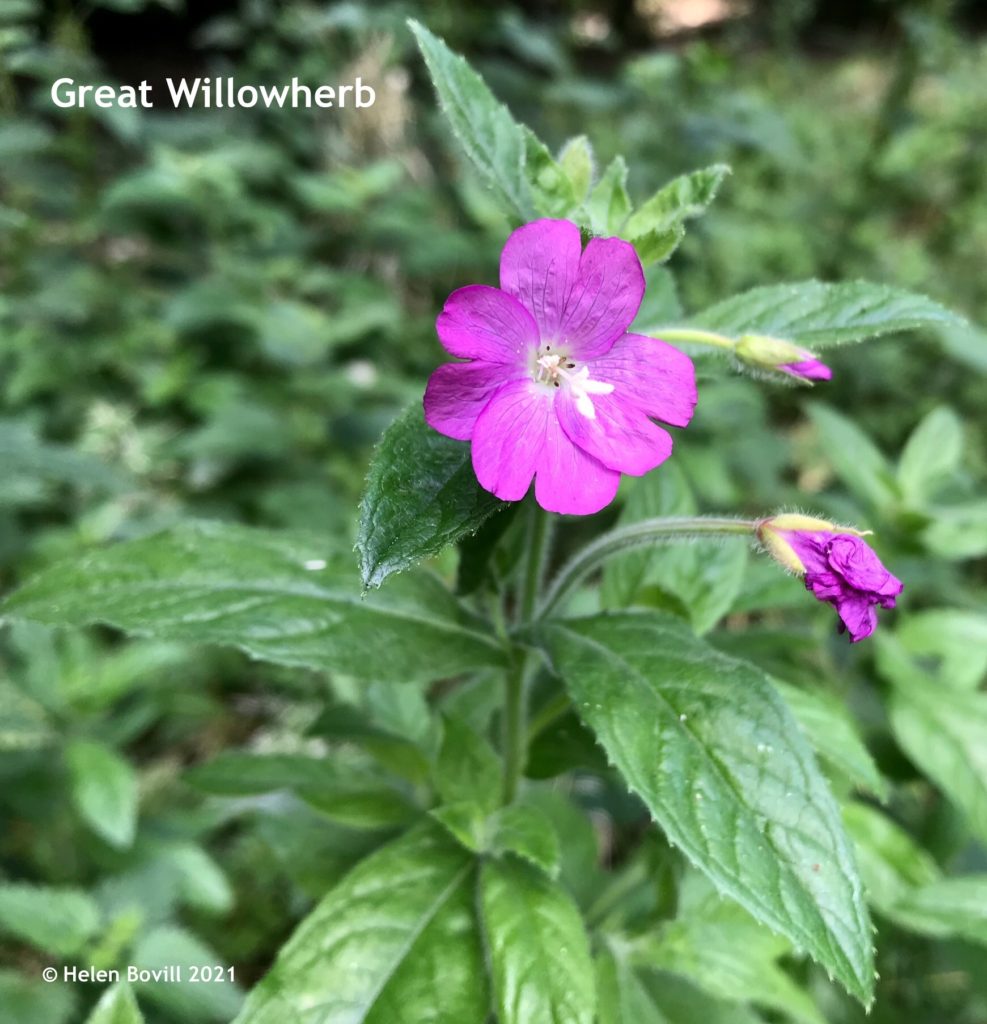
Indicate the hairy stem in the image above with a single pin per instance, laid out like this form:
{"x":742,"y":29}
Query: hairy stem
{"x":515,"y":739}
{"x":688,"y":334}
{"x":648,"y":531}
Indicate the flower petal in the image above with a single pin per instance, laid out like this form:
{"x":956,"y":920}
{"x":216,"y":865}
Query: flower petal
{"x":568,"y":480}
{"x":858,"y":614}
{"x":657,"y":377}
{"x":857,"y":563}
{"x":538,"y":267}
{"x":509,"y":438}
{"x":480,"y":322}
{"x":604,"y":299}
{"x":808,"y":369}
{"x":619,"y":435}
{"x":457,"y":392}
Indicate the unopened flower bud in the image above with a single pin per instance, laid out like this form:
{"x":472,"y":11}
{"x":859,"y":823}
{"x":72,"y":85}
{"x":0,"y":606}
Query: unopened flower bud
{"x":838,"y":566}
{"x":777,"y":354}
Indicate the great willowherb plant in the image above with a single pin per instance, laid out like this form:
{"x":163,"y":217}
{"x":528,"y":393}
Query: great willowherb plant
{"x":484,"y":906}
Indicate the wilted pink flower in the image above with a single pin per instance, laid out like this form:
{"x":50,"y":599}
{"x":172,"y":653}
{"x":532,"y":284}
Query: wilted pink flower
{"x":838,"y":565}
{"x":809,"y":369}
{"x":555,"y":388}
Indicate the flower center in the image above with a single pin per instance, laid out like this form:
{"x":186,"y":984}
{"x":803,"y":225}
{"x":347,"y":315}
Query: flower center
{"x":555,"y":368}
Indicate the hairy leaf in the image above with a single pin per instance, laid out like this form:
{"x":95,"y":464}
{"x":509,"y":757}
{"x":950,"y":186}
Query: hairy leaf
{"x":520,"y":171}
{"x":280,"y":597}
{"x":714,"y":753}
{"x":421,"y":496}
{"x":609,"y":204}
{"x":658,"y":226}
{"x":819,"y":314}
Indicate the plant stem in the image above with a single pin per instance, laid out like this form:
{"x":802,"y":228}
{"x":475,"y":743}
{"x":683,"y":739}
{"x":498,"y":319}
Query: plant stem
{"x":515,"y":740}
{"x":695,"y":336}
{"x":648,"y":531}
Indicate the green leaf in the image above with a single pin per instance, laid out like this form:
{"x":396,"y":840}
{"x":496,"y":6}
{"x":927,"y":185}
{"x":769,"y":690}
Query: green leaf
{"x":116,"y":1006}
{"x":524,"y":830}
{"x":944,"y":731}
{"x":279,"y":596}
{"x":622,"y":997}
{"x":658,"y":226}
{"x":499,"y":147}
{"x":957,"y":637}
{"x":683,"y":1003}
{"x":930,"y":456}
{"x":856,"y":459}
{"x":361,"y":803}
{"x":520,"y":829}
{"x":705,"y":576}
{"x":957,"y":531}
{"x":467,"y":768}
{"x":33,"y":1001}
{"x":233,"y":773}
{"x":576,"y":161}
{"x":891,"y":862}
{"x":394,"y":943}
{"x":56,"y":920}
{"x":755,"y":813}
{"x":818,"y":314}
{"x":833,"y":735}
{"x":421,"y":496}
{"x":343,"y":793}
{"x":652,"y":496}
{"x":551,"y":190}
{"x":104,"y":789}
{"x":609,"y":204}
{"x":723,"y":951}
{"x":26,"y":463}
{"x":181,"y":997}
{"x":202,"y":882}
{"x":948,"y":907}
{"x":536,"y":946}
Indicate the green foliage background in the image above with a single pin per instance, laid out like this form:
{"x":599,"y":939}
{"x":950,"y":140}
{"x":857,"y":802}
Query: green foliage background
{"x":215,"y":314}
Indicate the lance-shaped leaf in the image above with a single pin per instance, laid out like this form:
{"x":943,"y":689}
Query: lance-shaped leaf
{"x":944,"y":731}
{"x":818,"y":314}
{"x":104,"y":788}
{"x":833,"y":735}
{"x":536,"y":946}
{"x":421,"y":496}
{"x":394,"y":943}
{"x":657,"y":226}
{"x":279,"y":596}
{"x":524,"y":178}
{"x":116,"y":1006}
{"x":715,"y":754}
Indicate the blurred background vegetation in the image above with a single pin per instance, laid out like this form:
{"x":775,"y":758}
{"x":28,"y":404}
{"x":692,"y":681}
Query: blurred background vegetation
{"x":215,"y":313}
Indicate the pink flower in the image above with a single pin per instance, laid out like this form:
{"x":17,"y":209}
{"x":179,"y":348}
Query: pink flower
{"x":839,"y":567}
{"x":555,"y":389}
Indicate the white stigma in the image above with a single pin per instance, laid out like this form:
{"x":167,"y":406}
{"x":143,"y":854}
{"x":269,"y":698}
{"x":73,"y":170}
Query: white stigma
{"x":556,"y":368}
